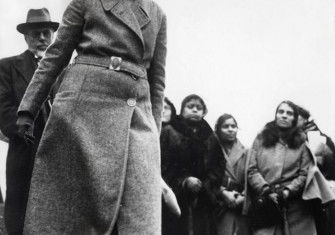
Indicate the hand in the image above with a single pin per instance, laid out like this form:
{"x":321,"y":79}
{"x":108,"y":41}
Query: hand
{"x":274,"y":197}
{"x":286,"y":194}
{"x":229,"y":198}
{"x":239,"y":200}
{"x":320,"y":160}
{"x":193,"y":184}
{"x":170,"y":199}
{"x":25,"y":126}
{"x":266,"y":190}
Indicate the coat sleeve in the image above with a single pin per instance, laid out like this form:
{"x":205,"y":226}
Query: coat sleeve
{"x":165,"y":160}
{"x":171,"y":171}
{"x":8,"y":106}
{"x":255,"y":178}
{"x":215,"y":169}
{"x":57,"y":56}
{"x":156,"y":74}
{"x":297,"y":185}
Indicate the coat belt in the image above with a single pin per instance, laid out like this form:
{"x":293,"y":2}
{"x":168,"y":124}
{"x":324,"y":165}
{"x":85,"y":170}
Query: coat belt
{"x":113,"y":63}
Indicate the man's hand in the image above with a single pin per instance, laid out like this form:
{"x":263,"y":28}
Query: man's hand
{"x":170,"y":199}
{"x":25,"y":124}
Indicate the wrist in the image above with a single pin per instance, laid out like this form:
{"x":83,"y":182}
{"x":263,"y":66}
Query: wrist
{"x":25,"y":117}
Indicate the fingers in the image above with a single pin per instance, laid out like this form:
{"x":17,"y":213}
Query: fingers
{"x":194,"y":184}
{"x":274,"y":197}
{"x":29,"y":139}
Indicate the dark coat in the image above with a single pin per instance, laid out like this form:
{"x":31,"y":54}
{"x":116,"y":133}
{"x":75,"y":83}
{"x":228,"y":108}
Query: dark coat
{"x":183,"y":149}
{"x":15,"y":75}
{"x":98,"y":163}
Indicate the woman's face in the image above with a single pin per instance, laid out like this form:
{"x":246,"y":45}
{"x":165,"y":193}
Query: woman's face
{"x":229,"y":130}
{"x":167,"y":112}
{"x":193,"y":110}
{"x":285,"y":116}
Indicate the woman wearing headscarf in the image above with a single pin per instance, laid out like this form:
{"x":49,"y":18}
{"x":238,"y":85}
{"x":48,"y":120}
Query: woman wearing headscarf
{"x":169,"y":216}
{"x":226,"y":164}
{"x":169,"y":112}
{"x":278,"y":167}
{"x":97,"y":168}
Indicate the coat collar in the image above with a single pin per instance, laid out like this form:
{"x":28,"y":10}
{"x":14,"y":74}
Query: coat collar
{"x":24,"y":64}
{"x":134,"y":17}
{"x":236,"y":152}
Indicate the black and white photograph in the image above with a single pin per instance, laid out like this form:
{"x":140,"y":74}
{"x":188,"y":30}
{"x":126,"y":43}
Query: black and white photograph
{"x":151,"y":117}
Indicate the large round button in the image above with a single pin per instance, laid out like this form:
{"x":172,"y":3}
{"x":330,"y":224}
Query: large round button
{"x":131,"y":102}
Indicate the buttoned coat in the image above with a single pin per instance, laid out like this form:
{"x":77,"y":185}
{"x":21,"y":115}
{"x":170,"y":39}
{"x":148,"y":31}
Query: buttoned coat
{"x":280,"y":167}
{"x":98,"y":163}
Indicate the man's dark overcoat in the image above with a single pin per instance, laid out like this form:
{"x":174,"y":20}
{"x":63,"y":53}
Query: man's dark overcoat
{"x":15,"y":75}
{"x":98,"y":163}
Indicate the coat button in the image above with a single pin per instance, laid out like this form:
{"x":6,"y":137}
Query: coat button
{"x":131,"y":102}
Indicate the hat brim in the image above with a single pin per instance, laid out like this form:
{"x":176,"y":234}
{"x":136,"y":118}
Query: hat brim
{"x":23,"y":28}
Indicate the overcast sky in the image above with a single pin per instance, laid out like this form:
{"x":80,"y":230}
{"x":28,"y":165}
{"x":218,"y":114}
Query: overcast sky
{"x":242,"y":56}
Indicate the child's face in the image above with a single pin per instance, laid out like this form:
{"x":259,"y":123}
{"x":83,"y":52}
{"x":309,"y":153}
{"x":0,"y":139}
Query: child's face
{"x":193,"y":110}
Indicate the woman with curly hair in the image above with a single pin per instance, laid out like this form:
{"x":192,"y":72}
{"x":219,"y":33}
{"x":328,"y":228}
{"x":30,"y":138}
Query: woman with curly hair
{"x":278,"y":167}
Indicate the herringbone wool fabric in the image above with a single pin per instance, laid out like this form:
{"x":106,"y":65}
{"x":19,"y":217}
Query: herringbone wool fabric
{"x":99,"y":160}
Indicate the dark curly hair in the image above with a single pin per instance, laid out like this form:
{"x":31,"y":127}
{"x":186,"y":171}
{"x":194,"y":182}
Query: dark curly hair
{"x":293,"y":136}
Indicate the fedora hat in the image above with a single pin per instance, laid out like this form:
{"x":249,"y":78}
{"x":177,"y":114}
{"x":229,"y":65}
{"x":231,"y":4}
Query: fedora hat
{"x":37,"y":18}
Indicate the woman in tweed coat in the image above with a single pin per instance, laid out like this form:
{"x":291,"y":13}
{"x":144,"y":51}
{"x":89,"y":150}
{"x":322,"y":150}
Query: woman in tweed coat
{"x":224,"y":183}
{"x":97,"y":169}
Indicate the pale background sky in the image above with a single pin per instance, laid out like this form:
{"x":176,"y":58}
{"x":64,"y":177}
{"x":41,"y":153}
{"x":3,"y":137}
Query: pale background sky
{"x":242,"y":56}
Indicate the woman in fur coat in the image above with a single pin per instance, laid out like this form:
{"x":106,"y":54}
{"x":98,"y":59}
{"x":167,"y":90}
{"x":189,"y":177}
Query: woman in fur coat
{"x":226,"y":163}
{"x":278,"y":167}
{"x":183,"y":144}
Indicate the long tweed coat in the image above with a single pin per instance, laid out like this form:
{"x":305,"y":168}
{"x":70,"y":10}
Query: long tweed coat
{"x":98,"y":164}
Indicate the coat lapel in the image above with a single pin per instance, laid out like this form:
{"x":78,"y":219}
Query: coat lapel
{"x":135,"y":17}
{"x":25,"y":66}
{"x":236,"y":153}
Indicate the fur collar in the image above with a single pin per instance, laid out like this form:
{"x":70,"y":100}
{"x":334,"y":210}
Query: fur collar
{"x":199,"y":130}
{"x":293,"y":137}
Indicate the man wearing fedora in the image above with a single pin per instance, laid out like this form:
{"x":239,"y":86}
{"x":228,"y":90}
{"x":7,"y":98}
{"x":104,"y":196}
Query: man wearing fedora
{"x":15,"y":75}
